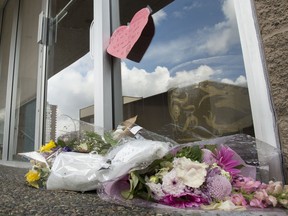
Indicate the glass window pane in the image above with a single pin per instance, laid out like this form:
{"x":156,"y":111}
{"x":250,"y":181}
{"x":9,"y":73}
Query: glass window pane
{"x":25,"y":84}
{"x":6,"y":33}
{"x":191,"y":82}
{"x":70,"y":67}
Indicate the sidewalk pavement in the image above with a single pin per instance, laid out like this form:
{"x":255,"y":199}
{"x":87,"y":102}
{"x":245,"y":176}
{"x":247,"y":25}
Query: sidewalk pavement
{"x":17,"y":198}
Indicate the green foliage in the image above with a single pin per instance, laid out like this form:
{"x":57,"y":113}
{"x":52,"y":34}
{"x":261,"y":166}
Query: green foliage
{"x":89,"y":141}
{"x":212,"y":148}
{"x":109,"y":139}
{"x":194,"y":153}
{"x":70,"y":143}
{"x":134,"y":180}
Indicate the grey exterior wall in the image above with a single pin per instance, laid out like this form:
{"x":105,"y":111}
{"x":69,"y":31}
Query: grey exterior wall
{"x":272,"y":18}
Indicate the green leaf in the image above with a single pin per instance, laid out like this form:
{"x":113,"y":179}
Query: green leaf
{"x":134,"y":180}
{"x":61,"y":143}
{"x":127,"y":194}
{"x":109,"y":139}
{"x":194,"y":153}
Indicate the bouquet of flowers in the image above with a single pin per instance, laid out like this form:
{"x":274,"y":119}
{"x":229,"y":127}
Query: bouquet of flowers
{"x":136,"y":166}
{"x":80,"y":160}
{"x":199,"y":176}
{"x":86,"y":141}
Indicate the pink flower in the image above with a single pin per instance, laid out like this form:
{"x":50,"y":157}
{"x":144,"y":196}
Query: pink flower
{"x":238,"y":199}
{"x":261,"y":195}
{"x":262,"y":200}
{"x":246,"y":184}
{"x":184,"y":200}
{"x":274,"y":188}
{"x":272,"y":201}
{"x":257,"y":203}
{"x":225,"y":159}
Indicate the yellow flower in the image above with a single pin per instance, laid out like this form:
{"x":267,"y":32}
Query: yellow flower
{"x":154,"y":179}
{"x":48,"y":146}
{"x":32,"y":177}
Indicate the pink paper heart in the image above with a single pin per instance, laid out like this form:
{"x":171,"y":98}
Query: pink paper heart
{"x":124,"y":37}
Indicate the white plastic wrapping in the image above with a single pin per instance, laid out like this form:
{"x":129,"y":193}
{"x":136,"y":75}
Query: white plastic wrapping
{"x":75,"y":171}
{"x":83,"y":172}
{"x":133,"y":154}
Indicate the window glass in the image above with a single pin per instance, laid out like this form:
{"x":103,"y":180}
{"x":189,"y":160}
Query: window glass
{"x":191,"y":82}
{"x":69,"y":67}
{"x":25,"y":80}
{"x":6,"y":32}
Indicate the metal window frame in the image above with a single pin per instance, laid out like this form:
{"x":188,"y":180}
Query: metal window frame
{"x":41,"y":83}
{"x":103,"y":96}
{"x":263,"y":114}
{"x":264,"y":119}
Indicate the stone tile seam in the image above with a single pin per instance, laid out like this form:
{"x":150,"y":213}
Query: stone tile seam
{"x":278,"y":31}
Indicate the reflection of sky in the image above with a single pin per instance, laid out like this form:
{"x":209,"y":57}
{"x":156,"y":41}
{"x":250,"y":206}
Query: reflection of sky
{"x":193,"y":33}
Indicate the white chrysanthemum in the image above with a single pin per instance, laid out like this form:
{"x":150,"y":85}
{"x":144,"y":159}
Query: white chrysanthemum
{"x":156,"y":189}
{"x":192,"y":173}
{"x":171,"y":184}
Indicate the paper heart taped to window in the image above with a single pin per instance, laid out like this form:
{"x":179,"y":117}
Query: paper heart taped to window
{"x":132,"y":41}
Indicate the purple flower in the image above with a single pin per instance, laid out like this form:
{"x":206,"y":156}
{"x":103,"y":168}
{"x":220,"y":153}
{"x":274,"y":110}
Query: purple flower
{"x":225,"y":159}
{"x":213,"y":171}
{"x":66,"y":149}
{"x":184,"y":200}
{"x":219,"y":187}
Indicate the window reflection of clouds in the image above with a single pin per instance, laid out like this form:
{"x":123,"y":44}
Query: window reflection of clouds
{"x":189,"y":36}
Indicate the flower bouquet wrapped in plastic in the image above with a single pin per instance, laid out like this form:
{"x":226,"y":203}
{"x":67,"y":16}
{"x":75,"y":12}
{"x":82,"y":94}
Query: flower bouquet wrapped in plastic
{"x":82,"y":159}
{"x":225,"y":173}
{"x":74,"y":153}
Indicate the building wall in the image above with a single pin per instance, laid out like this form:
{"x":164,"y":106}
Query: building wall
{"x":273,"y":25}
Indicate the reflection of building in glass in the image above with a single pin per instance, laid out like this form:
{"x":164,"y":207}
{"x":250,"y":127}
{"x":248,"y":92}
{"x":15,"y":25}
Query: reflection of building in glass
{"x":196,"y":112}
{"x":87,"y":113}
{"x":51,"y":122}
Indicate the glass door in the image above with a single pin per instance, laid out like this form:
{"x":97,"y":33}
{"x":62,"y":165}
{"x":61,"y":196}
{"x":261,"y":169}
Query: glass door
{"x":69,"y":67}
